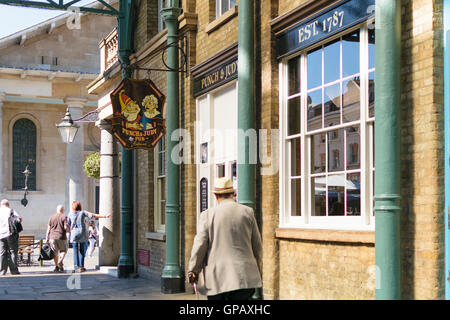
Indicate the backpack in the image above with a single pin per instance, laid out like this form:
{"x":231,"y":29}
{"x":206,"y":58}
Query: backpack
{"x":15,"y":226}
{"x":46,"y":252}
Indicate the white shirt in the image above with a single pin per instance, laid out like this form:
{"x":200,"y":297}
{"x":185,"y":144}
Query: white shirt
{"x":4,"y":224}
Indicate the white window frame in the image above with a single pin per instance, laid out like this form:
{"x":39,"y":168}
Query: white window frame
{"x":159,"y":226}
{"x":365,"y":222}
{"x":219,"y":7}
{"x":161,"y":24}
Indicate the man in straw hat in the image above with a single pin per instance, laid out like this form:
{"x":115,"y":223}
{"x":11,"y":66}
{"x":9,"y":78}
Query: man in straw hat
{"x":227,"y":247}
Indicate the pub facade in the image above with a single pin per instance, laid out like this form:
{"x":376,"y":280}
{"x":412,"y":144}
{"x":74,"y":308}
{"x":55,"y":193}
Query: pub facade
{"x":313,"y":143}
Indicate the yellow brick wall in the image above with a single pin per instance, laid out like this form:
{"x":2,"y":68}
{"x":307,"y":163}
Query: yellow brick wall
{"x":422,"y":127}
{"x":217,"y":40}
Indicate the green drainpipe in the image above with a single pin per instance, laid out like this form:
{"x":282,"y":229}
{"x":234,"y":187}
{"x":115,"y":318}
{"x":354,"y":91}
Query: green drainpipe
{"x":246,"y":108}
{"x":387,"y":145}
{"x":126,"y":261}
{"x":172,"y":277}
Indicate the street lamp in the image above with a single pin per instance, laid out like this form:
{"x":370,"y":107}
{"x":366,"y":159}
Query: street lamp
{"x":24,"y":201}
{"x":67,"y":128}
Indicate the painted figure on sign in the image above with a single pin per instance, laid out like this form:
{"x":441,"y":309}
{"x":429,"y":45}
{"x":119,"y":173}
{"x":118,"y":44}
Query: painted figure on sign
{"x":130,"y":110}
{"x":150,"y":104}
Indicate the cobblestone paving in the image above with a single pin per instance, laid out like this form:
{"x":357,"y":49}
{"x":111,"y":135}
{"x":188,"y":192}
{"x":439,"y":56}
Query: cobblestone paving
{"x":41,"y":283}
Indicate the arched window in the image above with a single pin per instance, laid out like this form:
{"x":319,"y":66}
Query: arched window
{"x":23,"y":154}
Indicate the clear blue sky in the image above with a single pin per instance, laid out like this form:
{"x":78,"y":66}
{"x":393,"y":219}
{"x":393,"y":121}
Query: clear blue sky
{"x":13,"y":19}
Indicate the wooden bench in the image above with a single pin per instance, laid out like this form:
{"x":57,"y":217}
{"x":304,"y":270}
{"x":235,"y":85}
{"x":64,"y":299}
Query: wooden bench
{"x":26,"y":243}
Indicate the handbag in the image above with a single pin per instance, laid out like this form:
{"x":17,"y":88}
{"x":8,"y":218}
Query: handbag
{"x":15,"y":226}
{"x":47,"y":252}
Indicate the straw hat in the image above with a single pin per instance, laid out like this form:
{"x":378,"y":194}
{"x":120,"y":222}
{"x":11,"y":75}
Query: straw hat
{"x":223,"y":186}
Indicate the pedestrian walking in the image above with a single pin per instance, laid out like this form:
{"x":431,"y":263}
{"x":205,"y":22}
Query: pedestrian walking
{"x":79,"y":233}
{"x":56,"y":234}
{"x":227,"y":248}
{"x":93,"y":235}
{"x":9,"y":240}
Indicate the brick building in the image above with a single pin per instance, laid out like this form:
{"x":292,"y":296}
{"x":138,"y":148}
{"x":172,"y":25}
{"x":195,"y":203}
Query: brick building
{"x":315,"y":127}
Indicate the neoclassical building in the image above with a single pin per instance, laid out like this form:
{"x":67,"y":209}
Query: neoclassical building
{"x":44,"y":70}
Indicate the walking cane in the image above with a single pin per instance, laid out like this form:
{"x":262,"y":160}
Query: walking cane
{"x":195,"y":290}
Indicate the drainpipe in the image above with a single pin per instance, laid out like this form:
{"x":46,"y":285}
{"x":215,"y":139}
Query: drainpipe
{"x":387,"y":146}
{"x":172,"y":279}
{"x":246,"y":109}
{"x":126,"y":263}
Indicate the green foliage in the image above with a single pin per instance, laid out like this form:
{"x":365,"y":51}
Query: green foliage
{"x":92,"y":165}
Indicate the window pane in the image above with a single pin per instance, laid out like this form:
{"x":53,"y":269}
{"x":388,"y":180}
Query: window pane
{"x":315,"y":68}
{"x":350,"y":54}
{"x":220,"y":170}
{"x":225,"y":6}
{"x":332,"y":61}
{"x":354,"y":194}
{"x":294,"y":116}
{"x":353,"y":148}
{"x":336,"y":195}
{"x":232,"y":3}
{"x":24,"y":154}
{"x":296,"y":200}
{"x":296,"y":169}
{"x":336,"y":150}
{"x":315,"y":110}
{"x":294,"y":76}
{"x":318,"y":153}
{"x":351,"y":100}
{"x":371,"y":48}
{"x":372,"y":94}
{"x":319,"y":200}
{"x":332,"y":105}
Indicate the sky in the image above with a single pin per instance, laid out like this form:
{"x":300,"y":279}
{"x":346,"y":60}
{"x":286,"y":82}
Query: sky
{"x":14,"y":19}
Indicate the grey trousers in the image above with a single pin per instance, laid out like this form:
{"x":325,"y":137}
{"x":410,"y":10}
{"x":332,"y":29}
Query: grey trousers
{"x":9,"y":248}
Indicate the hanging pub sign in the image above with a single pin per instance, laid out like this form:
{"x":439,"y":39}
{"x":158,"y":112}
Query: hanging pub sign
{"x":335,"y":19}
{"x":137,"y":114}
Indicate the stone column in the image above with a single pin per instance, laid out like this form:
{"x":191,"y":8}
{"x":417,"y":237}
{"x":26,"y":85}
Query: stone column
{"x":74,"y":157}
{"x":2,"y":98}
{"x":109,"y":229}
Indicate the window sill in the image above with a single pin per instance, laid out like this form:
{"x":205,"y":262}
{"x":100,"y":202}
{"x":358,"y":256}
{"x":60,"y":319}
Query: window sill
{"x":366,"y":237}
{"x":158,"y":236}
{"x":223,"y":19}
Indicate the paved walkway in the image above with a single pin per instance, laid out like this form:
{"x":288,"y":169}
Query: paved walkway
{"x":41,"y":283}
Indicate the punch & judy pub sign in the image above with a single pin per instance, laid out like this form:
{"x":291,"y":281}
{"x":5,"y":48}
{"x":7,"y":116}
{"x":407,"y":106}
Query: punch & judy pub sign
{"x":138,"y":114}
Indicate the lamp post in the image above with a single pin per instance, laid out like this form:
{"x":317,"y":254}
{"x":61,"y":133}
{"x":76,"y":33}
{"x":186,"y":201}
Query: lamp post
{"x":24,"y":201}
{"x":68,"y":129}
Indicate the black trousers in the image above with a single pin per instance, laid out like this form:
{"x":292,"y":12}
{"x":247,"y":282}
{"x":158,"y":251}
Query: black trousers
{"x":241,"y":294}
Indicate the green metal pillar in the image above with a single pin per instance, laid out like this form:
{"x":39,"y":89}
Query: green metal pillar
{"x":387,"y":145}
{"x":126,"y":261}
{"x":246,"y":108}
{"x":246,"y":104}
{"x":172,"y":280}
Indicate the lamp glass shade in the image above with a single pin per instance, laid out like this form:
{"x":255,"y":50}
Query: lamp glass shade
{"x":68,"y":131}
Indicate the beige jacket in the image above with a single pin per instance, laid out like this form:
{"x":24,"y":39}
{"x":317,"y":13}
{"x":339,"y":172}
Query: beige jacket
{"x":228,"y":249}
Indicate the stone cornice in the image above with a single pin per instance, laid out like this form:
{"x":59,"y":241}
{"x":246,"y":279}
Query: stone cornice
{"x":75,"y":101}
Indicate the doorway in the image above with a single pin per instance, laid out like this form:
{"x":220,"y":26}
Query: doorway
{"x":216,"y":142}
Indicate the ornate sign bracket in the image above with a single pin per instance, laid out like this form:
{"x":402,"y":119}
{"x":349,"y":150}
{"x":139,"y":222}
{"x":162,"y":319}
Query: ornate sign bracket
{"x":163,"y":50}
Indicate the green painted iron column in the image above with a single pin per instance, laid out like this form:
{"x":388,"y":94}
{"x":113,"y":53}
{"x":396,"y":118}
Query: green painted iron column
{"x":246,"y":109}
{"x":126,"y":263}
{"x":172,"y":277}
{"x":246,"y":104}
{"x":387,"y":145}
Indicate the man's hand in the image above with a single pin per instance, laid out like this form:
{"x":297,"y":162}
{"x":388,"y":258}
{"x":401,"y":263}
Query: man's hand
{"x":192,"y":277}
